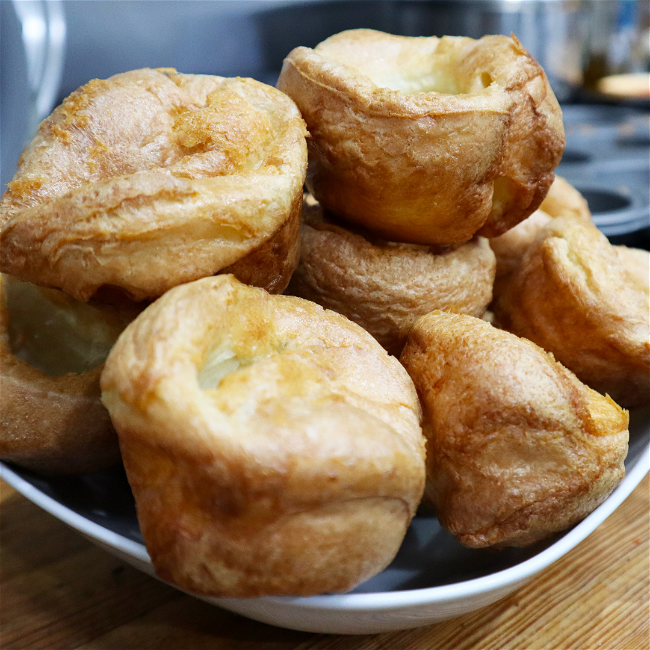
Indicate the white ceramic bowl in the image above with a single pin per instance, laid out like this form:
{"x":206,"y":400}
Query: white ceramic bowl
{"x":433,"y":578}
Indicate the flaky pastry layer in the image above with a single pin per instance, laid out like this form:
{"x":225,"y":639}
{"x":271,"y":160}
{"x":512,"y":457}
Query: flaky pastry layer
{"x":517,"y":447}
{"x":152,"y":178}
{"x":573,"y":296}
{"x":52,"y":418}
{"x":562,"y":200}
{"x":385,"y":286}
{"x":272,"y":447}
{"x":426,"y":140}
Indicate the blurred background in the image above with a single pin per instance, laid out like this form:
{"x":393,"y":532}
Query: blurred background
{"x":595,"y":52}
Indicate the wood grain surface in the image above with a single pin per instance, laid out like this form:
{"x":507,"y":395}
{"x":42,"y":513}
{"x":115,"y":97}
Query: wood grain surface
{"x":57,"y":590}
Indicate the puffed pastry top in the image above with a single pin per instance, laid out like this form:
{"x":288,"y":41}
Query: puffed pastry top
{"x":273,"y":447}
{"x":426,"y":140}
{"x":152,"y":178}
{"x":385,"y":286}
{"x":574,"y":297}
{"x":517,"y":447}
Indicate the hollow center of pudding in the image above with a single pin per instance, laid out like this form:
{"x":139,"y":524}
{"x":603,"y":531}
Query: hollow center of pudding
{"x":222,"y":360}
{"x":409,"y":66}
{"x":219,"y":363}
{"x":416,"y":82}
{"x":55,"y":333}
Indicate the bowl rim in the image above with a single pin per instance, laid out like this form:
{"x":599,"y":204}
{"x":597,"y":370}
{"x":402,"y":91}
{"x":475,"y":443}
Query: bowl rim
{"x":366,"y":601}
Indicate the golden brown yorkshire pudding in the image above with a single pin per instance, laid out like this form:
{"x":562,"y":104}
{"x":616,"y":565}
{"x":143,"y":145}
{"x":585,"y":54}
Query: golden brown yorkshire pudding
{"x":52,"y":350}
{"x":510,"y":248}
{"x":273,"y":447}
{"x":562,"y":200}
{"x":517,"y":447}
{"x":573,"y":297}
{"x":150,"y":179}
{"x":385,"y":286}
{"x":426,"y":140}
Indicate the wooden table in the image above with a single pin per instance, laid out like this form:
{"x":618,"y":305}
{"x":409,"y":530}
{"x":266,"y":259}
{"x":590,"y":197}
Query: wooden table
{"x":58,"y":590}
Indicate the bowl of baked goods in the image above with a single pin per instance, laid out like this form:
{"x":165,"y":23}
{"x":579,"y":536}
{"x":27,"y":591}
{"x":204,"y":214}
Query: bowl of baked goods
{"x":341,"y":355}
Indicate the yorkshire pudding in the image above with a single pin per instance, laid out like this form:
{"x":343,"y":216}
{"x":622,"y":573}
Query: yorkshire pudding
{"x":562,"y":200}
{"x":426,"y":140}
{"x":273,"y":447}
{"x":150,"y":179}
{"x":572,"y":296}
{"x":385,"y":286}
{"x":52,"y":349}
{"x":517,"y":447}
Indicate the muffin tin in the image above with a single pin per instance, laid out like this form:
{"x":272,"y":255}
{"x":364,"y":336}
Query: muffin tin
{"x":607,"y":158}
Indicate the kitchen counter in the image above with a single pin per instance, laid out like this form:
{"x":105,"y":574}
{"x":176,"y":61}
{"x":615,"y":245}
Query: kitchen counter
{"x":57,"y":590}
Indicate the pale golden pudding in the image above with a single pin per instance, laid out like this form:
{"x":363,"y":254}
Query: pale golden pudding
{"x":272,"y":447}
{"x":385,"y":286}
{"x":52,"y":350}
{"x":150,"y":179}
{"x":562,"y":200}
{"x":510,"y":248}
{"x":517,"y":447}
{"x":426,"y":140}
{"x":572,"y":296}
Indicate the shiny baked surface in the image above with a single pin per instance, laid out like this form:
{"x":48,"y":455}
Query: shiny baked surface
{"x":562,"y":199}
{"x":426,"y":140}
{"x":52,"y":350}
{"x":152,"y":178}
{"x":517,"y":447}
{"x":386,"y":286}
{"x":272,"y":447}
{"x":573,"y":296}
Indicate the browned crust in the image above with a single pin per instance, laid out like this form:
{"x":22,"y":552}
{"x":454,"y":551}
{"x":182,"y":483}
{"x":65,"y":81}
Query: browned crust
{"x":562,"y":200}
{"x":572,"y":296}
{"x":384,"y":286}
{"x":298,"y":474}
{"x":271,"y":265}
{"x":52,"y":425}
{"x":636,"y":262}
{"x":517,"y":447}
{"x":151,"y":179}
{"x":429,"y":168}
{"x":510,"y":247}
